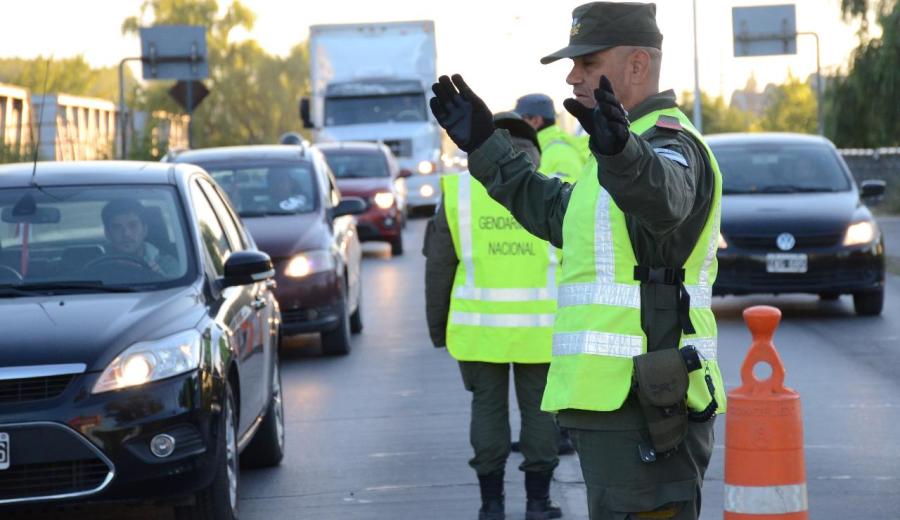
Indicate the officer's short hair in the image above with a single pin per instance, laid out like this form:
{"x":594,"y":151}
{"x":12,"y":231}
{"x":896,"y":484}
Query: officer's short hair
{"x":123,"y":206}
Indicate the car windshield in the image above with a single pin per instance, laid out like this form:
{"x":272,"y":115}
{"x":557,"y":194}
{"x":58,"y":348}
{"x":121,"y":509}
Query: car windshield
{"x":399,"y":108}
{"x":92,"y":238}
{"x":267,"y":188}
{"x":779,"y":168}
{"x":350,"y":164}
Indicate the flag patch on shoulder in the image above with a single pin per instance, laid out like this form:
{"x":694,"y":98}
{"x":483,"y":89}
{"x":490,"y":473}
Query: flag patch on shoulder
{"x":669,"y":123}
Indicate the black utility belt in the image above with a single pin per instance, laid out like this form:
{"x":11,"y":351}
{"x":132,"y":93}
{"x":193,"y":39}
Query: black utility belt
{"x":661,"y":384}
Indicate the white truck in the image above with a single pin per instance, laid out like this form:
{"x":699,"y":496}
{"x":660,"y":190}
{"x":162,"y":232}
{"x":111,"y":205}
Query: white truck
{"x":372,"y":82}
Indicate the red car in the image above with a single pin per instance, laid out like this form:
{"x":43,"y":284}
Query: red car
{"x":370,"y":171}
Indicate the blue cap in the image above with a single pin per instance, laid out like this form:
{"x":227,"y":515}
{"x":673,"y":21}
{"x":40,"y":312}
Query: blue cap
{"x":536,"y":105}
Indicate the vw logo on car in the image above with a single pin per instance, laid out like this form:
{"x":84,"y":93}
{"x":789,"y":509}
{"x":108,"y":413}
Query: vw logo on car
{"x":785,"y":241}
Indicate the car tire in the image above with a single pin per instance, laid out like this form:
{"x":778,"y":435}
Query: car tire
{"x":266,"y":450}
{"x":869,"y":303}
{"x":829,"y":296}
{"x":219,"y":501}
{"x":337,"y":342}
{"x":356,"y":323}
{"x":397,"y":246}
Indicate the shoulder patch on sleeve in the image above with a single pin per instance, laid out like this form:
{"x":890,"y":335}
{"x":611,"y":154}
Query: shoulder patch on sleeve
{"x":669,"y":123}
{"x":672,"y":155}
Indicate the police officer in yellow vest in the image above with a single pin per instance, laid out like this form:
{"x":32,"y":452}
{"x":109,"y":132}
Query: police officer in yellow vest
{"x":634,"y":373}
{"x":559,"y":157}
{"x":491,"y":299}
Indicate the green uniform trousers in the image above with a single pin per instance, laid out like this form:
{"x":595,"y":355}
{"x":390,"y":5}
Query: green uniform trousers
{"x":621,"y":487}
{"x":489,"y":431}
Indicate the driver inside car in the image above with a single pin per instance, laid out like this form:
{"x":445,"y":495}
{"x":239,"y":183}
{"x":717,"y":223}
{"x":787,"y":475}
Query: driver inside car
{"x":283,"y":190}
{"x":125,"y":226}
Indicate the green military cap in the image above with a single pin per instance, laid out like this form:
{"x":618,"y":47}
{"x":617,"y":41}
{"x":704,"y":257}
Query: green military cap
{"x":600,"y":25}
{"x":516,"y":126}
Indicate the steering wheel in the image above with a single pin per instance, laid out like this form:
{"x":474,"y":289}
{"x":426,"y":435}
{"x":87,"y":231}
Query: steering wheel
{"x":8,"y":273}
{"x":120,"y":259}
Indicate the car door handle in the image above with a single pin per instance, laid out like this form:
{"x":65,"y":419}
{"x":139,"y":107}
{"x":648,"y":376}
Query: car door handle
{"x":259,"y":303}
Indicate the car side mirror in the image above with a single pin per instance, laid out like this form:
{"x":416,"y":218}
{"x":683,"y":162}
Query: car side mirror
{"x":872,"y":188}
{"x":305,"y":114}
{"x":404,"y":174}
{"x":349,"y":206}
{"x":247,"y":267}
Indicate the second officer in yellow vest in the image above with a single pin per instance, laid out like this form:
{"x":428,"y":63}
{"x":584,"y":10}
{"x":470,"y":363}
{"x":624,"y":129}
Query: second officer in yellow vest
{"x":560,"y":157}
{"x":634,"y":373}
{"x":491,"y":298}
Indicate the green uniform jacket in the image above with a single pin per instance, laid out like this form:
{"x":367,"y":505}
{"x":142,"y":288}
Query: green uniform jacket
{"x":558,"y":157}
{"x":660,"y":180}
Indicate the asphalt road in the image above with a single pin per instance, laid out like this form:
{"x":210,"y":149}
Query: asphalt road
{"x":383,"y":432}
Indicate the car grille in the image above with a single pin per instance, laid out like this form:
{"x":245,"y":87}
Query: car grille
{"x":767,"y":242}
{"x":33,"y":389}
{"x":24,"y":481}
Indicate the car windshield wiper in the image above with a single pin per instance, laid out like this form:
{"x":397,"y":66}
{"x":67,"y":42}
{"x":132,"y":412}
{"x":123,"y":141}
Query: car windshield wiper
{"x":26,"y":289}
{"x":787,"y":188}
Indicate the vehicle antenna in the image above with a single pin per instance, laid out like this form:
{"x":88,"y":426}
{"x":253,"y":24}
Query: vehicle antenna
{"x":37,"y":145}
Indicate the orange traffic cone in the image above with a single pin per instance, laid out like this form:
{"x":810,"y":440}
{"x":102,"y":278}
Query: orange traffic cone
{"x":765,"y":477}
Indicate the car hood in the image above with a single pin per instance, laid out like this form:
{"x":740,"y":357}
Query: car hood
{"x":799,"y":214}
{"x":364,"y":186}
{"x":282,"y":236}
{"x":91,"y":328}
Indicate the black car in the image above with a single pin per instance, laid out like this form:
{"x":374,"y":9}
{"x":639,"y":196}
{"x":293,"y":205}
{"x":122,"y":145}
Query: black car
{"x":291,"y":204}
{"x":794,"y":221}
{"x":138,"y":350}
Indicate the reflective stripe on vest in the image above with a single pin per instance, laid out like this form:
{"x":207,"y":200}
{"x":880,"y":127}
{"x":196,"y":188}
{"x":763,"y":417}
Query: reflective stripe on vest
{"x":766,"y":500}
{"x":503,"y":304}
{"x":598,"y":324}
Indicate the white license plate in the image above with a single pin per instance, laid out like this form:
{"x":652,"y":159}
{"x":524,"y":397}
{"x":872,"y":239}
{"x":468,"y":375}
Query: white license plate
{"x":4,"y":451}
{"x":786,"y":263}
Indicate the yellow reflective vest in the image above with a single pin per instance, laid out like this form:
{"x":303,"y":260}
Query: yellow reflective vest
{"x":559,"y":157}
{"x":504,"y":293}
{"x":598,"y":330}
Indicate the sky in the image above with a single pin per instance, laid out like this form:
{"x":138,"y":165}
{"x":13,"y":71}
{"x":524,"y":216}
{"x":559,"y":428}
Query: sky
{"x":495,"y":44}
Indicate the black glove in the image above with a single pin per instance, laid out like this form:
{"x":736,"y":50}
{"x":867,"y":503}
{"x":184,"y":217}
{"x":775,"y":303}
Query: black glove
{"x":464,"y":115}
{"x":607,"y":123}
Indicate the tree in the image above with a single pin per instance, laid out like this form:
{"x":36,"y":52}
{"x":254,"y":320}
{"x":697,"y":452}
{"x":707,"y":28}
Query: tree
{"x":69,"y":75}
{"x":862,"y":106}
{"x":791,"y":108}
{"x":716,"y":115}
{"x":253,"y":95}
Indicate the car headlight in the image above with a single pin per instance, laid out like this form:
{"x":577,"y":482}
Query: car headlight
{"x":426,"y":167}
{"x":309,"y":262}
{"x":860,"y":233}
{"x":149,"y":361}
{"x":722,"y":243}
{"x":426,"y":190}
{"x":384,"y":199}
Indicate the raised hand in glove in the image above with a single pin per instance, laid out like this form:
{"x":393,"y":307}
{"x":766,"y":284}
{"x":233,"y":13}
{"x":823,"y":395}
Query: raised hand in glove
{"x":607,"y":123}
{"x":464,"y":115}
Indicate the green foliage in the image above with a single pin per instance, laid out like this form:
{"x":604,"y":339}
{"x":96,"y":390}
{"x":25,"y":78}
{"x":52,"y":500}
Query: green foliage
{"x":69,"y":75}
{"x":717,"y":116}
{"x":862,"y":107}
{"x":791,"y":108}
{"x":10,"y":154}
{"x":253,"y":95}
